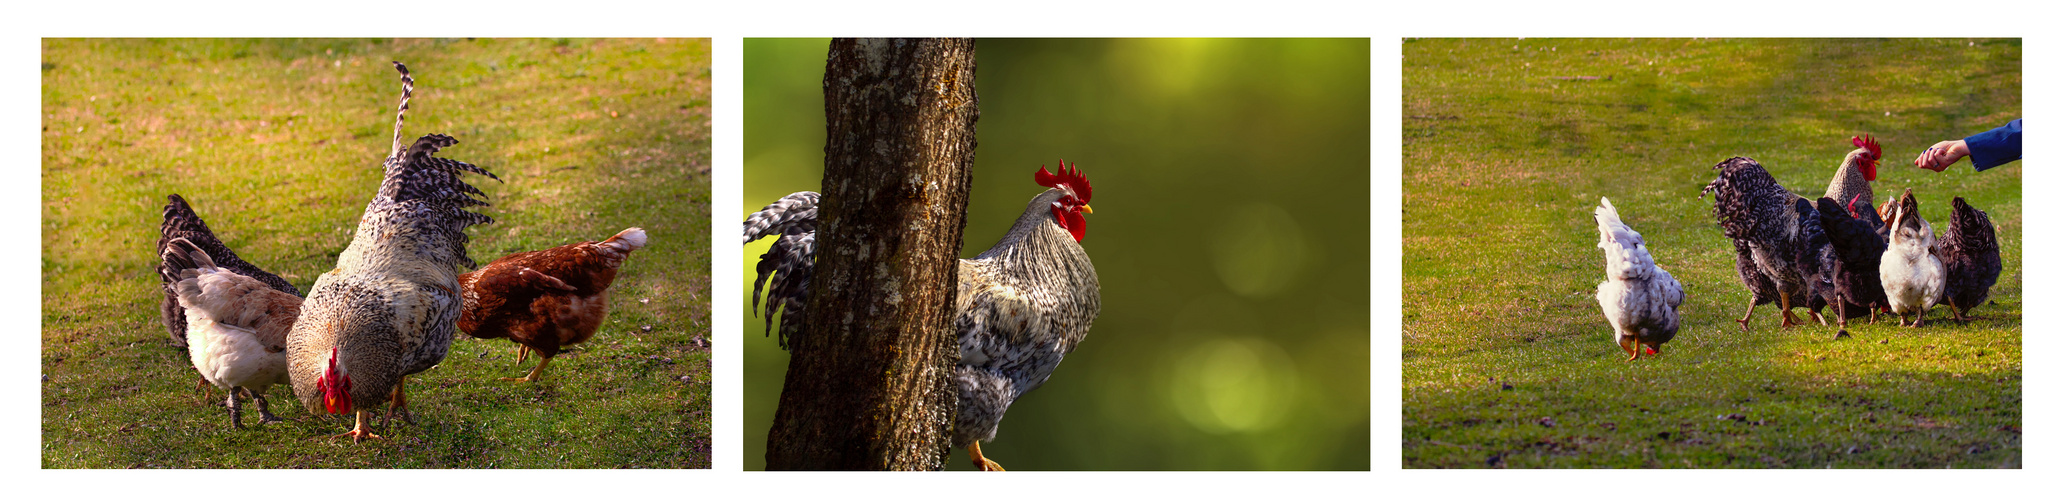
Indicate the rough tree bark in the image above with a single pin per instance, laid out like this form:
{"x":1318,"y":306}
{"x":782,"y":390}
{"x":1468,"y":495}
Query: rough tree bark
{"x":868,"y":386}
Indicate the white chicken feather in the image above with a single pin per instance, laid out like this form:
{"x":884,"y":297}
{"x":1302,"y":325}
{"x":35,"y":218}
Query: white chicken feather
{"x":1639,"y":298}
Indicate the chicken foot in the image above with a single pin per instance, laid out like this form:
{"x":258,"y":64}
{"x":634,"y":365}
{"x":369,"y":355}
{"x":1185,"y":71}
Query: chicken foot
{"x":359,"y":431}
{"x":265,"y":415}
{"x":1628,"y":345}
{"x":985,"y":464}
{"x":522,"y":351}
{"x":205,"y":388}
{"x":1786,"y":319}
{"x":535,"y":372}
{"x":399,"y":403}
{"x":1745,"y":320}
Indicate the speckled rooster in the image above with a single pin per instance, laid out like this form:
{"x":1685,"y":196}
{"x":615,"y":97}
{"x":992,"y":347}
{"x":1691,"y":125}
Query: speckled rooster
{"x":1020,"y":307}
{"x":389,"y":308}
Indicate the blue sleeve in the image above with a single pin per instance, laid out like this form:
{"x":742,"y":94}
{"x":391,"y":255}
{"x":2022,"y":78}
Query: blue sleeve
{"x":1995,"y":147}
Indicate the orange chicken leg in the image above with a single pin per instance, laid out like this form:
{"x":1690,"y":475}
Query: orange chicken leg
{"x":535,"y":372}
{"x":975,"y":452}
{"x":359,"y":431}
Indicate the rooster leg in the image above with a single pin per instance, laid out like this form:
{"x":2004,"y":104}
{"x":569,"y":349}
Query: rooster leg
{"x":1627,"y":345}
{"x":1745,"y":320}
{"x":535,"y":372}
{"x":264,"y":410}
{"x":399,"y":404}
{"x":359,"y":431}
{"x":522,"y":351}
{"x":975,"y":452}
{"x":1842,"y":316}
{"x":1817,"y":317}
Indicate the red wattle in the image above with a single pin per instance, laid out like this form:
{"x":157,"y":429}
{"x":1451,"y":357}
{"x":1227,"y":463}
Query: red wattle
{"x":1070,"y":220}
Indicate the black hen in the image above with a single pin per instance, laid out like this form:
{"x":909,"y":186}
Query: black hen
{"x":1776,"y":251}
{"x":1971,"y":258}
{"x":182,"y":222}
{"x":1858,"y":247}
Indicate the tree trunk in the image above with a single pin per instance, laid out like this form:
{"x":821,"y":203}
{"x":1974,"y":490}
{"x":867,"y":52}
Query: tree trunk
{"x":869,"y":382}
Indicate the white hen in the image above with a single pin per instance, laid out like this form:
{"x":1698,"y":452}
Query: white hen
{"x":236,"y":326}
{"x":1910,"y":269}
{"x":1640,"y":299}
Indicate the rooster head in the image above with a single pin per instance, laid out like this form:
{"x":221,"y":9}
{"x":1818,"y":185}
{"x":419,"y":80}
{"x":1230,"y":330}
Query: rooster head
{"x":1869,"y":164}
{"x":335,"y":386}
{"x":1075,"y":196}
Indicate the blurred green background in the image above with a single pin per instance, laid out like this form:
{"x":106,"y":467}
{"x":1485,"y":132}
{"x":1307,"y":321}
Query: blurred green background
{"x":1231,"y":239}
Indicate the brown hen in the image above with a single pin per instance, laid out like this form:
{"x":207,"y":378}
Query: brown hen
{"x":547,"y":299}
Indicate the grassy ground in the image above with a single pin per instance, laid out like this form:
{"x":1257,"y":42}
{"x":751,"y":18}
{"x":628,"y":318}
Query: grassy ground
{"x":278,"y":144}
{"x":1507,"y":361}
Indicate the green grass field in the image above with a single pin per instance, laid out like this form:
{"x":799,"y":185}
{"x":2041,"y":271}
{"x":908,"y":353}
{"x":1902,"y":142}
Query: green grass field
{"x":1507,"y":361}
{"x":277,"y":143}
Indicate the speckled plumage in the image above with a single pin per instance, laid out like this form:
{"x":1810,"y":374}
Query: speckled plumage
{"x":1019,"y":308}
{"x":1778,"y":254}
{"x":1971,"y":258}
{"x":390,"y":306}
{"x":786,"y":266}
{"x":181,"y":222}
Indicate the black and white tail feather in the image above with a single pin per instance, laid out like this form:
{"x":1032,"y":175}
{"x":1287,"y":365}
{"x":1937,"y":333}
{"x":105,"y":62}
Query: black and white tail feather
{"x":784,"y":271}
{"x":180,"y":221}
{"x":425,"y":188}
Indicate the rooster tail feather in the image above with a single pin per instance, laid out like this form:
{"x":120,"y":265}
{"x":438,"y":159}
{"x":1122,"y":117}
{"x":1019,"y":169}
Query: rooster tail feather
{"x":795,"y":210}
{"x":408,"y":89}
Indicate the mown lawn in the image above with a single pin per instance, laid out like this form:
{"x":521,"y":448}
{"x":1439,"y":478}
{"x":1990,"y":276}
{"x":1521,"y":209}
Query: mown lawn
{"x":1507,"y":361}
{"x":277,"y":143}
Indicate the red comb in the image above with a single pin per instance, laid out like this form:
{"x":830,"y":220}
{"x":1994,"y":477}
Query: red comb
{"x":1867,"y":142}
{"x":1069,"y":175}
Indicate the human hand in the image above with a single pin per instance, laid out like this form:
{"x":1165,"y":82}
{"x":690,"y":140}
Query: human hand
{"x":1942,"y":154}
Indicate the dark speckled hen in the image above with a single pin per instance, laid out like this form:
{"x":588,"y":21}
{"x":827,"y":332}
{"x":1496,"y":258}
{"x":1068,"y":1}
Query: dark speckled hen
{"x":1971,"y":258}
{"x":1780,"y":254}
{"x":547,"y":299}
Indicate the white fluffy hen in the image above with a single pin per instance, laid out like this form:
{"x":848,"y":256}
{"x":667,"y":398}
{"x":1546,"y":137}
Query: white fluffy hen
{"x":236,"y":326}
{"x":1639,"y":298}
{"x":1910,"y":269}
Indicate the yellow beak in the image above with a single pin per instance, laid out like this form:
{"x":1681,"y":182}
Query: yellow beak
{"x":1086,"y":209}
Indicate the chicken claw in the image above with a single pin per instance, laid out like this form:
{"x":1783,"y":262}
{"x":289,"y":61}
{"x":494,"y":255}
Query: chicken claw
{"x":359,"y":431}
{"x":975,"y":452}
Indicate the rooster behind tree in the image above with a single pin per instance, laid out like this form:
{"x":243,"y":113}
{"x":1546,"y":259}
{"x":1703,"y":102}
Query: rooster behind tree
{"x":1020,"y":307}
